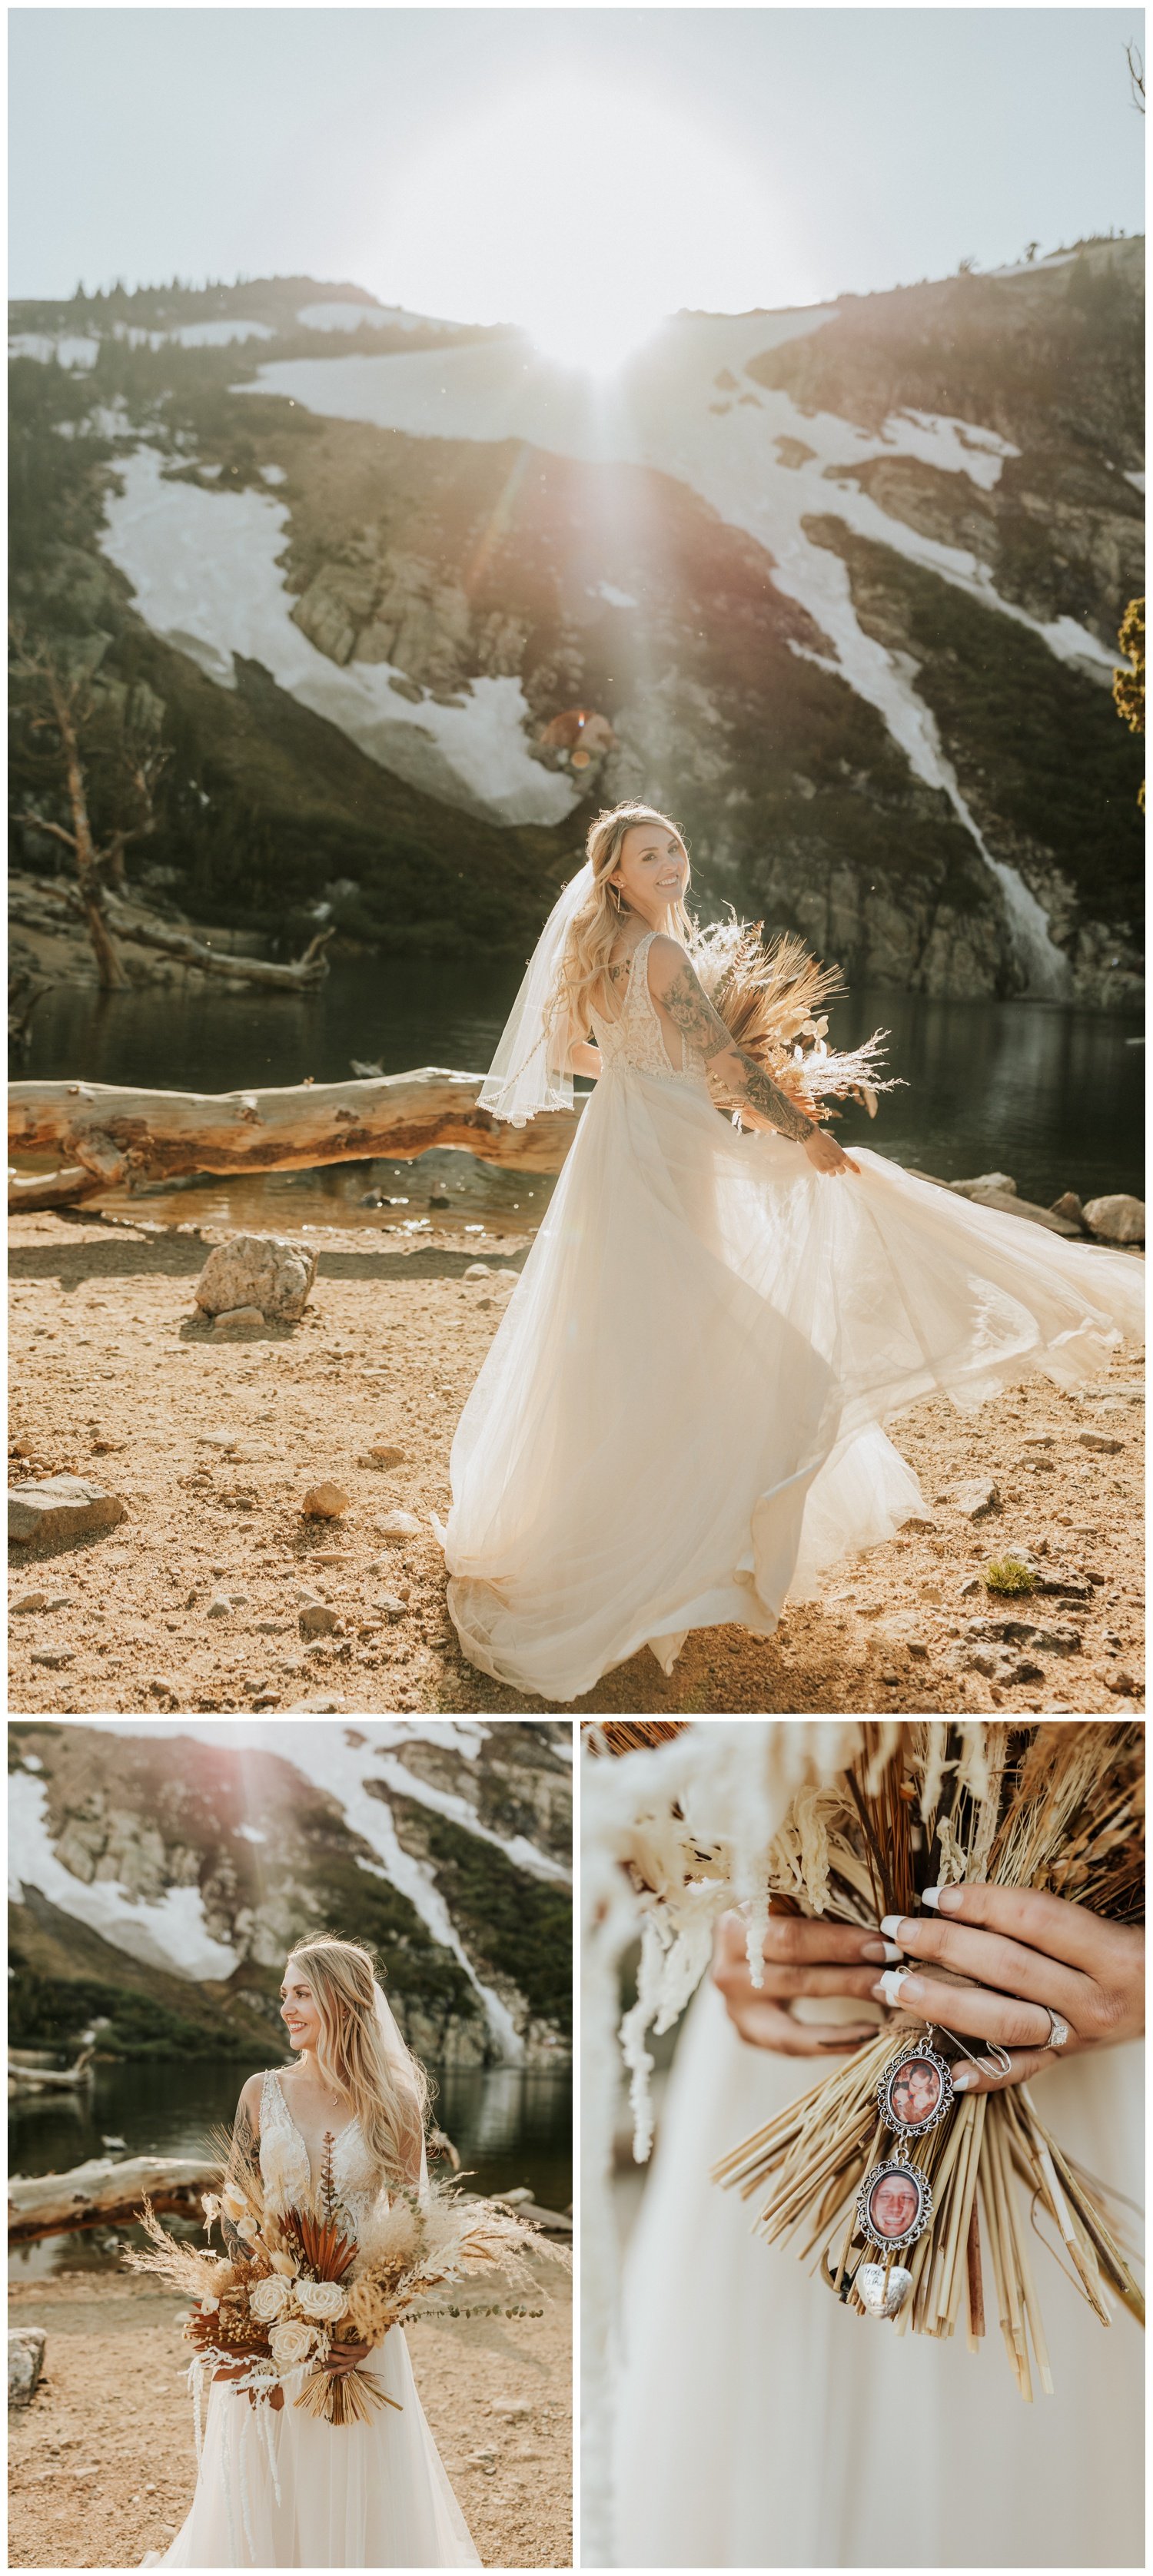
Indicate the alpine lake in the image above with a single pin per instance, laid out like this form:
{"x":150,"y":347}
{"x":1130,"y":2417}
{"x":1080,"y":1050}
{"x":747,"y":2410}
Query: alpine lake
{"x":1045,"y":1091}
{"x":511,"y":2127}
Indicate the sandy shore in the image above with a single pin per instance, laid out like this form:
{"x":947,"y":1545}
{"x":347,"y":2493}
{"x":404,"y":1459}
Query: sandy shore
{"x":113,"y":1381}
{"x":102,"y":2466}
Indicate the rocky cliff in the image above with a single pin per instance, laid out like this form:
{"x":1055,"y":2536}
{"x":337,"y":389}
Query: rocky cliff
{"x":841,"y":587}
{"x":159,"y":1875}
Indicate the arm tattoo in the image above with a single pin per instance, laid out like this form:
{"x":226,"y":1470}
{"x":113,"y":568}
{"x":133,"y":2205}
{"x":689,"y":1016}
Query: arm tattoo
{"x":705,"y":1030}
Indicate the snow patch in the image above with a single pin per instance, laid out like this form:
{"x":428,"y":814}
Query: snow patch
{"x":71,"y":352}
{"x":204,"y":567}
{"x":170,"y":1933}
{"x":616,"y":598}
{"x":216,"y":335}
{"x":251,"y":1834}
{"x":1137,"y":480}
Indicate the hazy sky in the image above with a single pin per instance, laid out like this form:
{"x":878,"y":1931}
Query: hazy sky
{"x":474,"y":162}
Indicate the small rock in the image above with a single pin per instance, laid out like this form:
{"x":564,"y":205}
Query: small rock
{"x":325,"y":1502}
{"x":317,"y":1706}
{"x":1064,"y":1640}
{"x":391,"y":1605}
{"x":30,"y":1601}
{"x":1118,"y":1219}
{"x":272,"y":1627}
{"x":383,"y":1454}
{"x":1002,"y":1182}
{"x":478,"y":1270}
{"x":1069,"y":1206}
{"x":972,"y":1495}
{"x":316,"y":1619}
{"x":220,"y":1607}
{"x":331,"y":1556}
{"x":25,"y":2363}
{"x":251,"y":1453}
{"x":262,"y":1270}
{"x":1122,"y":1684}
{"x":55,"y":1656}
{"x":61,"y":1507}
{"x":238,"y":1324}
{"x":1099,"y":1440}
{"x":399,"y":1525}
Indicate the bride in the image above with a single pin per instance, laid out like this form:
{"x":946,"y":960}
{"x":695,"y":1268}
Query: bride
{"x":679,"y":1421}
{"x":369,"y":2494}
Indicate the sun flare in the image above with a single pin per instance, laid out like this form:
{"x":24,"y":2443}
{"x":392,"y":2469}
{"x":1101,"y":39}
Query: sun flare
{"x":580,"y":219}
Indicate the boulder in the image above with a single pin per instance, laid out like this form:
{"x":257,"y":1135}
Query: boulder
{"x":972,"y":1495}
{"x":25,"y":2363}
{"x":262,"y":1270}
{"x":1119,"y":1219}
{"x":1063,"y":1640}
{"x":316,"y":1619}
{"x":61,"y":1507}
{"x":1069,"y":1206}
{"x":399,"y":1525}
{"x":1002,"y":1182}
{"x":325,"y":1502}
{"x":1007,"y":1203}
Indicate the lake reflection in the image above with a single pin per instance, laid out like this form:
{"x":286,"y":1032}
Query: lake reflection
{"x":510,"y":2125}
{"x":1041,"y":1090}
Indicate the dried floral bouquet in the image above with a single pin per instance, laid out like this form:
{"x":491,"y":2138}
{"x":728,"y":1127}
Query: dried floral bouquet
{"x":1058,"y":1807}
{"x":774,"y":1001}
{"x":296,"y":2284}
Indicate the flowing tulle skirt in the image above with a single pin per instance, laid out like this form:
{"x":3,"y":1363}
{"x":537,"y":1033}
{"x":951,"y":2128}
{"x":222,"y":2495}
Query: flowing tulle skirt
{"x":351,"y":2495}
{"x":758,"y":2424}
{"x":678,"y":1423}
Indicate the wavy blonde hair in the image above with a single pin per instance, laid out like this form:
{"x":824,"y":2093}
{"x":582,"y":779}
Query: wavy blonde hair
{"x":387,"y":2094}
{"x":593,"y":930}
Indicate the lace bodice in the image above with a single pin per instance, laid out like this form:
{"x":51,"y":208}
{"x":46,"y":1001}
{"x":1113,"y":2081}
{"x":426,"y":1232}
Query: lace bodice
{"x":638,"y":1037}
{"x":286,"y":2167}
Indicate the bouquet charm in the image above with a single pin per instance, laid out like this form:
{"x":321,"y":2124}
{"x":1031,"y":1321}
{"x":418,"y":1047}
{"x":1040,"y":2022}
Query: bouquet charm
{"x":895,"y":2201}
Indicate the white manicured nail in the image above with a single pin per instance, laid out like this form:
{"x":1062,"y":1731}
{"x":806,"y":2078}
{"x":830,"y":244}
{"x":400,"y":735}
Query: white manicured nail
{"x":893,"y":1950}
{"x":964,"y":2077}
{"x":890,"y":1985}
{"x":931,"y":1896}
{"x":892,"y":1923}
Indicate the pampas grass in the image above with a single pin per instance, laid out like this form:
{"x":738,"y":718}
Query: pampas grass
{"x":773,"y":1001}
{"x":1058,"y":1807}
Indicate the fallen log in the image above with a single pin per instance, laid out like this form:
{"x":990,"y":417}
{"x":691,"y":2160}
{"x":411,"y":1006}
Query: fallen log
{"x":119,"y":1136}
{"x":299,"y":977}
{"x":43,"y":2204}
{"x":48,"y":2079}
{"x":53,"y":1189}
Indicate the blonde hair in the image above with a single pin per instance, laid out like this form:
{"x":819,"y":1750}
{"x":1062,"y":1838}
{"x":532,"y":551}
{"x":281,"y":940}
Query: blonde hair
{"x":593,"y":930}
{"x":387,"y":2093}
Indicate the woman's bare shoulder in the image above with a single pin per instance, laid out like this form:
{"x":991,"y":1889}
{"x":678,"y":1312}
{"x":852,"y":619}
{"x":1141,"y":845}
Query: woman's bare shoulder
{"x":667,"y":961}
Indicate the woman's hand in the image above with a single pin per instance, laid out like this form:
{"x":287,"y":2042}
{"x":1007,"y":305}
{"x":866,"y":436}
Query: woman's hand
{"x":1022,"y":1955}
{"x":346,"y":2356}
{"x":826,"y":1155}
{"x":801,"y":1958}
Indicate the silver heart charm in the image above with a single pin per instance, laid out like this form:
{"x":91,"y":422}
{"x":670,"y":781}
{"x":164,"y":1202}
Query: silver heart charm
{"x":883,"y":2298}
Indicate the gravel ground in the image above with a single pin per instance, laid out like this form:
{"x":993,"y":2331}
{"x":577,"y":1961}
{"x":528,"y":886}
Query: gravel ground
{"x":113,"y":1381}
{"x":102,"y":2466}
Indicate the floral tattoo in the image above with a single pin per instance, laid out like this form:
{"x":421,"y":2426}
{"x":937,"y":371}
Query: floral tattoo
{"x":705,"y":1030}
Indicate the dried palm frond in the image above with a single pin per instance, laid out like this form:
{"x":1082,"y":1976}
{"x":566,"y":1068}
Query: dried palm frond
{"x":623,"y":1735}
{"x":1049,"y":1806}
{"x":774,"y":1002}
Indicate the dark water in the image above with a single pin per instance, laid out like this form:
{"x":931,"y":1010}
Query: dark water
{"x":1049,"y":1093}
{"x":510,"y":2126}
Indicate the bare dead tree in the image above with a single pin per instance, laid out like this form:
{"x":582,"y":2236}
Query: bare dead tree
{"x":1135,"y":60}
{"x":63,"y":707}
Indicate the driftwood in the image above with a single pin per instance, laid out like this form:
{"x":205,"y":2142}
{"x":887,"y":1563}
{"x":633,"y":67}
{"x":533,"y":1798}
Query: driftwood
{"x":45,"y":904}
{"x":47,"y":2079}
{"x":115,"y":1136}
{"x":102,"y":2189}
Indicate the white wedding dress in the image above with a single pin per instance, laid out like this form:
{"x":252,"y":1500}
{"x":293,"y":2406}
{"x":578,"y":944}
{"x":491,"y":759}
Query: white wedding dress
{"x":679,"y":1420}
{"x":759,"y":2424}
{"x":351,"y":2495}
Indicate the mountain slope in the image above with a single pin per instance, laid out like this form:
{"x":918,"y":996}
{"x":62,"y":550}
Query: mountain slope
{"x":842,"y":585}
{"x":159,"y":1876}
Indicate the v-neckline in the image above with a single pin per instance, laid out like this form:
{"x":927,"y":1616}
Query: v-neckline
{"x":336,"y":2135}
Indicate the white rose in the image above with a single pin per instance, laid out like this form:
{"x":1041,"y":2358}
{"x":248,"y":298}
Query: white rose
{"x":292,"y":2343}
{"x":269,"y":2297}
{"x":324,"y":2300}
